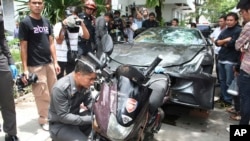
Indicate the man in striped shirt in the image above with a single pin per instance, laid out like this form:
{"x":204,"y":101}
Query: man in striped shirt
{"x":244,"y":78}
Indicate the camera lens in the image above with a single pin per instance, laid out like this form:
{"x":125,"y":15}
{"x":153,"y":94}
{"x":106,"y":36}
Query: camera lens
{"x":78,"y":22}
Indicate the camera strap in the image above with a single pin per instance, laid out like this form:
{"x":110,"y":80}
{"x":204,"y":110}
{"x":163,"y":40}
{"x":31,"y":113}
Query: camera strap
{"x":67,"y":38}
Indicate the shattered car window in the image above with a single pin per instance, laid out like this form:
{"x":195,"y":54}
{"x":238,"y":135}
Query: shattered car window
{"x":171,"y":36}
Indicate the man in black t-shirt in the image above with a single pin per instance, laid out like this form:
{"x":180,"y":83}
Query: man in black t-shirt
{"x":151,"y":22}
{"x":39,"y":57}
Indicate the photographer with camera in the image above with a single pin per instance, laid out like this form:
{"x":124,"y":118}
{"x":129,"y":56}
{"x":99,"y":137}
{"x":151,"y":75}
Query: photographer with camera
{"x":131,"y":26}
{"x":8,"y":72}
{"x":75,"y":28}
{"x":116,"y":27}
{"x":38,"y":56}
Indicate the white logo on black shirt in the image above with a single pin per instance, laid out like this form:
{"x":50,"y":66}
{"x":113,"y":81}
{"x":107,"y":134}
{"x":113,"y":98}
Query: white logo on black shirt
{"x":40,"y":29}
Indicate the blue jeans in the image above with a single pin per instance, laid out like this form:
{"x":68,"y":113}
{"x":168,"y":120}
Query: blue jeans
{"x":226,"y":75}
{"x":244,"y":90}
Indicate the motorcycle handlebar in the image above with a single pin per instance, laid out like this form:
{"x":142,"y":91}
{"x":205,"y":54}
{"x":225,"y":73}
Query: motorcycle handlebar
{"x":153,"y":65}
{"x":105,"y":71}
{"x":96,"y":60}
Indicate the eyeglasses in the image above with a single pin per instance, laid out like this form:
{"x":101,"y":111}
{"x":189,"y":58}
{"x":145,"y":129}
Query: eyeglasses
{"x":37,"y":3}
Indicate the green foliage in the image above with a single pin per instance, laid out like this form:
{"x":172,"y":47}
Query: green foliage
{"x":182,"y":23}
{"x":23,"y":9}
{"x":100,"y":7}
{"x":54,"y":10}
{"x":213,"y":9}
{"x":152,"y":3}
{"x":16,"y":55}
{"x":13,"y":42}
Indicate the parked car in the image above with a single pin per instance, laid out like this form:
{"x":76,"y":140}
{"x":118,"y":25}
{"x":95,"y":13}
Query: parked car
{"x":187,"y":59}
{"x":205,"y":29}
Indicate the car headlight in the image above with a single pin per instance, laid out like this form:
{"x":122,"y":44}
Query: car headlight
{"x":117,"y":132}
{"x":191,"y":67}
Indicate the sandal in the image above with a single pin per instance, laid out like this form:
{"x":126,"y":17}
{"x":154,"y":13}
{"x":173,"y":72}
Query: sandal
{"x":235,"y":117}
{"x":231,"y":110}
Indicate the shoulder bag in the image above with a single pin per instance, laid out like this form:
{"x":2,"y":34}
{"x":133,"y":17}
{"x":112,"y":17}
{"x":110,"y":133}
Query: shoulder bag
{"x":71,"y":55}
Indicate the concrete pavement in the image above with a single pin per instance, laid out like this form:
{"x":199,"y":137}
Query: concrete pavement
{"x":188,"y":126}
{"x":27,"y":124}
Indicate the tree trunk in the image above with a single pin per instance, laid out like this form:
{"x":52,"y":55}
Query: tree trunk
{"x":158,"y":12}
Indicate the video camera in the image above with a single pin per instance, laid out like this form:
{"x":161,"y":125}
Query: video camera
{"x":31,"y":79}
{"x":69,"y":12}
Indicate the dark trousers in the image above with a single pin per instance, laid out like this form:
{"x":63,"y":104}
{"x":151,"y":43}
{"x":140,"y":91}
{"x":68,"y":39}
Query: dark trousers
{"x":160,"y":89}
{"x":68,"y":132}
{"x":7,"y":103}
{"x":65,"y":68}
{"x":217,"y":68}
{"x":85,"y":47}
{"x":226,"y":76}
{"x":244,"y":91}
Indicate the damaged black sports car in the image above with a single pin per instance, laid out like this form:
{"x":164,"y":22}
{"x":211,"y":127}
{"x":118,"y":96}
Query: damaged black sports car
{"x":187,"y":59}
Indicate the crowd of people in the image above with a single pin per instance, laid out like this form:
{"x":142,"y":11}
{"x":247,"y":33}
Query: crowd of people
{"x":232,"y":61}
{"x":62,"y":89}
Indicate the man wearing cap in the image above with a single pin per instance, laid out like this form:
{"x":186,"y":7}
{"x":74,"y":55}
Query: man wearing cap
{"x":73,"y":30}
{"x":89,"y":21}
{"x":69,"y":113}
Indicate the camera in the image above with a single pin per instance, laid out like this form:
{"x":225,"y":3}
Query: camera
{"x":31,"y":79}
{"x":117,"y":21}
{"x":128,"y":23}
{"x":78,"y":22}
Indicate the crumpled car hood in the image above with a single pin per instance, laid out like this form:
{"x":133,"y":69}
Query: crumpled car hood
{"x":143,"y":54}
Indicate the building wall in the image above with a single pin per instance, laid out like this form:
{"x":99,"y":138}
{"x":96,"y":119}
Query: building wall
{"x":169,"y":9}
{"x":8,"y":14}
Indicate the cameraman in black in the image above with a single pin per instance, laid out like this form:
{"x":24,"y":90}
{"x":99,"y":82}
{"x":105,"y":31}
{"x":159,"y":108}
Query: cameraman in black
{"x":117,"y":24}
{"x":8,"y":72}
{"x":89,"y":45}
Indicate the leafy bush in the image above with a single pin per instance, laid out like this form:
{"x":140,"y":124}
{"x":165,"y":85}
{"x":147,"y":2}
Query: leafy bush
{"x":16,"y":55}
{"x":13,"y":43}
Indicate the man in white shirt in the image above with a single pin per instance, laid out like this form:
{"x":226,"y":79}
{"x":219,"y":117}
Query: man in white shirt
{"x":214,"y":36}
{"x":73,"y":30}
{"x":130,"y":29}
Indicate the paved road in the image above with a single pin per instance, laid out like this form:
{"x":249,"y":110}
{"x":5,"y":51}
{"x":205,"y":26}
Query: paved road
{"x":183,"y":124}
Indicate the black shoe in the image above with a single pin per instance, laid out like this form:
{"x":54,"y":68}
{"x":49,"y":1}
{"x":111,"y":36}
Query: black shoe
{"x":11,"y":138}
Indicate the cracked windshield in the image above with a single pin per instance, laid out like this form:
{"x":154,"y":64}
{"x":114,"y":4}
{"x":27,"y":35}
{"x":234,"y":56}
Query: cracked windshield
{"x":171,"y":36}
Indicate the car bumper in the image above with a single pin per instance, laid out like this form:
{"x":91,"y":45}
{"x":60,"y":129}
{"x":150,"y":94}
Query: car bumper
{"x":194,"y":90}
